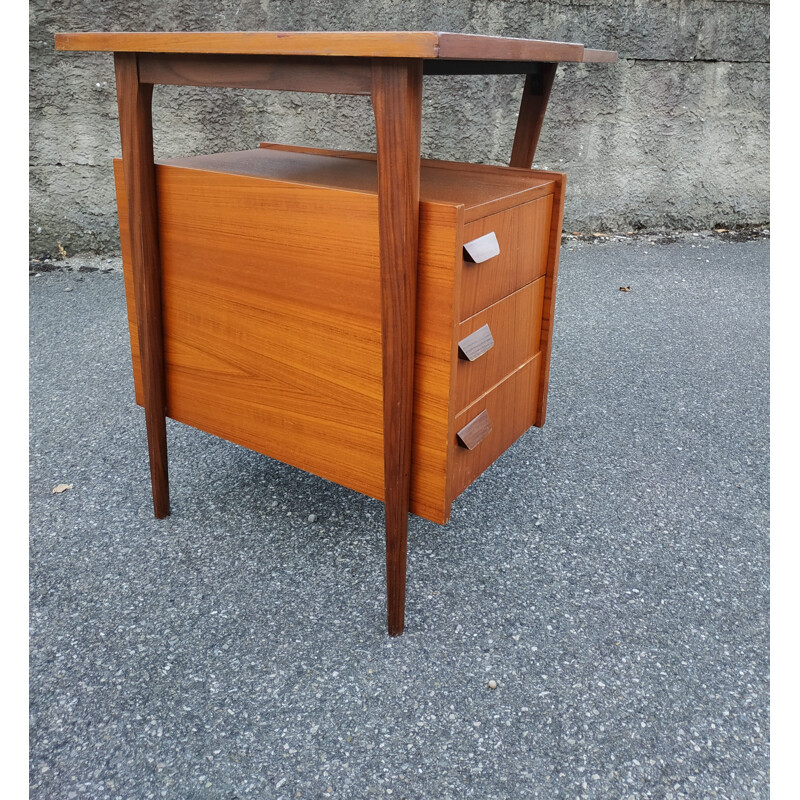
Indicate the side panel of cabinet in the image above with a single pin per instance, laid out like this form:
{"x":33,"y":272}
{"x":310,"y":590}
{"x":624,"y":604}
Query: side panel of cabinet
{"x":272,"y":324}
{"x":549,"y":300}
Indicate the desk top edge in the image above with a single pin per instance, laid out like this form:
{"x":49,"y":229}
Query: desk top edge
{"x":374,"y":44}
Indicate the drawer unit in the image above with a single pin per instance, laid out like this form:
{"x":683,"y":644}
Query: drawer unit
{"x":271,"y":310}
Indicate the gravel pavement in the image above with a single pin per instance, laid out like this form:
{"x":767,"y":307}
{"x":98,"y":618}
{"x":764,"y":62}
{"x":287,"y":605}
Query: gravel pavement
{"x":609,"y":573}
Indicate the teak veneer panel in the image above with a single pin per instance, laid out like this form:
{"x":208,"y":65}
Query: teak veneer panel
{"x":516,"y":326}
{"x":511,"y":407}
{"x":268,"y":343}
{"x":481,"y":191}
{"x":549,"y":302}
{"x":272,"y":324}
{"x":400,"y":44}
{"x":384,"y":44}
{"x":324,"y":74}
{"x":523,"y":234}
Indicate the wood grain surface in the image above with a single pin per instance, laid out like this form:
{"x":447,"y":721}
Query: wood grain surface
{"x":480,"y":188}
{"x":515,"y":323}
{"x":503,"y":48}
{"x":301,"y":74}
{"x":533,"y":106}
{"x":591,"y":56}
{"x":388,"y":44}
{"x":397,"y":103}
{"x":549,"y":301}
{"x":269,"y":342}
{"x":414,"y":44}
{"x":511,"y":406}
{"x":136,"y":136}
{"x":523,"y":233}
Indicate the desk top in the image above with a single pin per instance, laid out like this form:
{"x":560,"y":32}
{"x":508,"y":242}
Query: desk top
{"x":379,"y":44}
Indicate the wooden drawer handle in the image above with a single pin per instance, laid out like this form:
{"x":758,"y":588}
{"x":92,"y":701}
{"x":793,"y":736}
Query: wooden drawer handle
{"x":482,"y":249}
{"x":473,"y":433}
{"x":476,"y":344}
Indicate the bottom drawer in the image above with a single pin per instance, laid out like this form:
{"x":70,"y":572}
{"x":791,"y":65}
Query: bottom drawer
{"x":510,"y":407}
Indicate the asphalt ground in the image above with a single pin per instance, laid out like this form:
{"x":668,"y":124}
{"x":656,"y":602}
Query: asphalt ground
{"x":610,"y":572}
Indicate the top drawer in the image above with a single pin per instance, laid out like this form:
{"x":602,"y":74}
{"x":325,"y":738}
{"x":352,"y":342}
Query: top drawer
{"x":523,"y":238}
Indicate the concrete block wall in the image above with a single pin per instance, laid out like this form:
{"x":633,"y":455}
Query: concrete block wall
{"x":675,"y":136}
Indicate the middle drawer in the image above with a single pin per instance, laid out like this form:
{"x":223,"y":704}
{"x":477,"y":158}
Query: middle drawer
{"x":485,"y":357}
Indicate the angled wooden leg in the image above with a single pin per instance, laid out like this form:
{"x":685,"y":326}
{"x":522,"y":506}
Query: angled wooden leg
{"x":532,"y":109}
{"x":533,"y":106}
{"x":397,"y":102}
{"x":136,"y":134}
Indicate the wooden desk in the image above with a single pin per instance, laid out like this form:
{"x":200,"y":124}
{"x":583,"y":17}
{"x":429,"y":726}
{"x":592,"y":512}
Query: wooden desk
{"x":389,"y":67}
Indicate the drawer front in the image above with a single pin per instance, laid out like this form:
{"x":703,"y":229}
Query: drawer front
{"x":487,"y":428}
{"x":522,"y":236}
{"x":514,"y":327}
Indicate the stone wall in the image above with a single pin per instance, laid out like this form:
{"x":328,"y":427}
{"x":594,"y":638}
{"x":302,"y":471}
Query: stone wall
{"x":673,"y":136}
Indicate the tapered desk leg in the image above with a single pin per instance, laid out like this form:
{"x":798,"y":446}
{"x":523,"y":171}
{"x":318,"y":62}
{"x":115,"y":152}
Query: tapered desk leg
{"x":535,"y":95}
{"x":397,"y":102}
{"x":136,"y":134}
